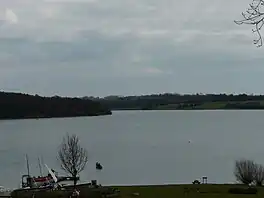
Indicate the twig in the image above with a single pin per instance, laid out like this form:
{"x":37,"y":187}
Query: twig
{"x":254,"y":16}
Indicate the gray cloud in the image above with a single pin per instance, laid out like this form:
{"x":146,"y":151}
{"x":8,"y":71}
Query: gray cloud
{"x":96,"y":47}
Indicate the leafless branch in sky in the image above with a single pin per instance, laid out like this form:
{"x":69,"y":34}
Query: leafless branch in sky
{"x":254,"y":16}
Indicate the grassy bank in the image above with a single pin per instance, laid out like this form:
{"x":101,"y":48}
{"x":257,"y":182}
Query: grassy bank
{"x":195,"y":191}
{"x":168,"y":101}
{"x":213,"y":105}
{"x":154,"y":191}
{"x":228,"y":105}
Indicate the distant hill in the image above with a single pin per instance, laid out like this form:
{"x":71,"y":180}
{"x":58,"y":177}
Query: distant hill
{"x":170,"y":101}
{"x":20,"y":106}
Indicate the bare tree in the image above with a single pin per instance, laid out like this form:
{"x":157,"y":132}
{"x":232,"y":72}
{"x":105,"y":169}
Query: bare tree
{"x":72,"y":156}
{"x":259,"y":174}
{"x":254,"y":16}
{"x":245,"y":171}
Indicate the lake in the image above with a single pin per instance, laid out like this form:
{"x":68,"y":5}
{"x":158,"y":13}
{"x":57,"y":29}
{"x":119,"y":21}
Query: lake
{"x":138,"y":147}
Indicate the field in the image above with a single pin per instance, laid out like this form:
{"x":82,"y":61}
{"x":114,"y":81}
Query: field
{"x":161,"y":191}
{"x":192,"y":191}
{"x":214,"y":105}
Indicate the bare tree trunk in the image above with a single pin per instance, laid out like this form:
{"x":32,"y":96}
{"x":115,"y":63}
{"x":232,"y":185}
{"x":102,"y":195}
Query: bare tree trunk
{"x":75,"y":177}
{"x":75,"y":180}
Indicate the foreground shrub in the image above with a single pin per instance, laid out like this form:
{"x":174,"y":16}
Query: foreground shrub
{"x":245,"y":171}
{"x":243,"y":191}
{"x":259,"y":174}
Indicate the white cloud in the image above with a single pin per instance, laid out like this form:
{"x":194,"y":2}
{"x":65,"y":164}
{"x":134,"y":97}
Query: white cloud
{"x":154,"y":71}
{"x":10,"y":16}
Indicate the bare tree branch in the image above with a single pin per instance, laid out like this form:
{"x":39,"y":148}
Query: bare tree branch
{"x":254,"y":15}
{"x":259,"y":176}
{"x":245,"y":171}
{"x":72,"y":156}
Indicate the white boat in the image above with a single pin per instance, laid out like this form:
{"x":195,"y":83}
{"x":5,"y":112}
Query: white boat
{"x":5,"y":192}
{"x":52,"y":178}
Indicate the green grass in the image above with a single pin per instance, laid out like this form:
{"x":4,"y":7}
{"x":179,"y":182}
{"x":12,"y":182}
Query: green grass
{"x":154,"y":191}
{"x":174,"y":191}
{"x":167,"y":107}
{"x":205,"y":105}
{"x":212,"y":105}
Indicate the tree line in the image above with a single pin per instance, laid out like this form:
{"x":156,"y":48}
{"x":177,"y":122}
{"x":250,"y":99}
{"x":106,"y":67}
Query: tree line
{"x":183,"y":101}
{"x":18,"y":105}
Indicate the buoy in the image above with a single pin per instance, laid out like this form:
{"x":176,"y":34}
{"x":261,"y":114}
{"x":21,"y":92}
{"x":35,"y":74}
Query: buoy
{"x":98,"y":166}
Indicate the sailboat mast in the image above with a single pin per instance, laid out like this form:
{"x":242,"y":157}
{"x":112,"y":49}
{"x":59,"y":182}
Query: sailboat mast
{"x":42,"y":161}
{"x":27,"y":163}
{"x":40,"y":169}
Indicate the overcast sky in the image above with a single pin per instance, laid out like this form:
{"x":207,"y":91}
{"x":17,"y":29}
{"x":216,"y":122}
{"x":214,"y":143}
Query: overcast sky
{"x":127,"y":47}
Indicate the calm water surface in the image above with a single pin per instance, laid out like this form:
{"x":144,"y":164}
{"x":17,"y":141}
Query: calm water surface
{"x":139,"y":147}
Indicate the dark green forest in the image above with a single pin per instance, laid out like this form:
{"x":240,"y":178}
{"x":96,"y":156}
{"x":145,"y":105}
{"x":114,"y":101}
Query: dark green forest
{"x":170,"y":101}
{"x":21,"y":106}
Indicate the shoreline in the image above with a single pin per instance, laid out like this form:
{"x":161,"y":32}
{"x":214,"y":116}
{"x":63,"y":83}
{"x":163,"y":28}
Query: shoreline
{"x":185,"y":109}
{"x":51,"y":117}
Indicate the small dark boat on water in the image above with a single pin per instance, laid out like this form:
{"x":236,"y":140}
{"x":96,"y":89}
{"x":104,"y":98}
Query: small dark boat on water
{"x":99,"y":166}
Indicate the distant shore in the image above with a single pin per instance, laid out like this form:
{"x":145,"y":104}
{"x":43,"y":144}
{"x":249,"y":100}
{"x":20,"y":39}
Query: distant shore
{"x":184,"y":102}
{"x":205,"y":106}
{"x":49,"y":117}
{"x":195,"y":109}
{"x":25,"y":106}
